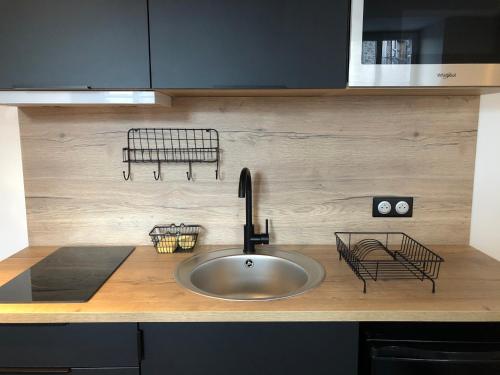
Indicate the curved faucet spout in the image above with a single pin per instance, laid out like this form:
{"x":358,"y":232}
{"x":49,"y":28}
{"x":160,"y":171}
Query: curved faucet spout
{"x":245,"y":191}
{"x":245,"y":186}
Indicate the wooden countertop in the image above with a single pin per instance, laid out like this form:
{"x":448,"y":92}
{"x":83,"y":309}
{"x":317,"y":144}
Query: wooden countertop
{"x":143,"y":289}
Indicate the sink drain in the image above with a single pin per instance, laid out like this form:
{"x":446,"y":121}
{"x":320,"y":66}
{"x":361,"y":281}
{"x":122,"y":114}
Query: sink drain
{"x":249,"y":263}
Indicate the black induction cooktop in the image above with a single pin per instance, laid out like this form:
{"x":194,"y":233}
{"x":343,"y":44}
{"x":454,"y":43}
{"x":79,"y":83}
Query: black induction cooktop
{"x":70,"y":274}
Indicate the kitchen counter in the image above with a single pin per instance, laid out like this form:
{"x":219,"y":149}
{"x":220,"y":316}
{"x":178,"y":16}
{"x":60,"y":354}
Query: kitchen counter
{"x":143,"y":289}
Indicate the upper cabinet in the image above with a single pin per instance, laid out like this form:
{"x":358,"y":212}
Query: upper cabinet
{"x":74,"y":44}
{"x":248,"y":43}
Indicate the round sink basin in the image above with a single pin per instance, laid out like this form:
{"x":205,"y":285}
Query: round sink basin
{"x":266,"y":275}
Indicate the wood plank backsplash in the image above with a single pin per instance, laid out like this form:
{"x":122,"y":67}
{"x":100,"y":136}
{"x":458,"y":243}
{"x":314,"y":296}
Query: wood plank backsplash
{"x":316,"y":164}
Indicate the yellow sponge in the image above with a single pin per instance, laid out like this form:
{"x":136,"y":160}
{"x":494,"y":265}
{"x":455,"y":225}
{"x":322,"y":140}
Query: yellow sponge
{"x":167,"y":244}
{"x":186,"y":241}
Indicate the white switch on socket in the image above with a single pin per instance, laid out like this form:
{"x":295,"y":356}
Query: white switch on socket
{"x":384,"y":207}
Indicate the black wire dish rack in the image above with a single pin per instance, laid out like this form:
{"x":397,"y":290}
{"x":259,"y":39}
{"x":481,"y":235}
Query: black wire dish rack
{"x":387,"y":256}
{"x":169,"y":145}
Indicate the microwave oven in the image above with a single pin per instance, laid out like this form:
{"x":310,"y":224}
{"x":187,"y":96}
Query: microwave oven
{"x":398,"y":43}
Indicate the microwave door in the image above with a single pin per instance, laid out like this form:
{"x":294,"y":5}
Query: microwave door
{"x":398,"y":43}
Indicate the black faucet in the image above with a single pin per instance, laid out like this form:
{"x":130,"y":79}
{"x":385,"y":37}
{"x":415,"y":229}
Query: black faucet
{"x":250,"y":238}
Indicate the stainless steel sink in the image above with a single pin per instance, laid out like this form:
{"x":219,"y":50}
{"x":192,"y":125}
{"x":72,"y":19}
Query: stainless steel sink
{"x":266,"y":275}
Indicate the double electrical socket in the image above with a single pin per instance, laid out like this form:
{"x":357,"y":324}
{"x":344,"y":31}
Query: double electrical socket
{"x":392,"y":207}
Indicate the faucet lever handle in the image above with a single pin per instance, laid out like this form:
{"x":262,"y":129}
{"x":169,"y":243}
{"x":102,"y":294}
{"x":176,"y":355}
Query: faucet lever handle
{"x":264,"y":237}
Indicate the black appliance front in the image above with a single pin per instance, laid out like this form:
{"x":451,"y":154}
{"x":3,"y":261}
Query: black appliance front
{"x":430,"y":349}
{"x":431,"y":32}
{"x":69,"y":274}
{"x":425,"y":43}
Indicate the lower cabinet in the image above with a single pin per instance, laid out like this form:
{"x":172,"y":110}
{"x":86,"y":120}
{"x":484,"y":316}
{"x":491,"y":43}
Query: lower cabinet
{"x":322,"y":348}
{"x":76,"y":349}
{"x":250,"y":348}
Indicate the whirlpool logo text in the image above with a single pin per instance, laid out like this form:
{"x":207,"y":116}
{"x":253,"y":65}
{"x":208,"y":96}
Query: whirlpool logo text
{"x":446,"y":75}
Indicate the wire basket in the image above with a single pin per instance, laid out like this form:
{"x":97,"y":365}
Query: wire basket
{"x":174,"y":238}
{"x":171,"y":145}
{"x":387,"y":256}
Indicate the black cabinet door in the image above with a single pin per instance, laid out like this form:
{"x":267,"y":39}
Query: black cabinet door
{"x":73,"y":44}
{"x":248,"y":43}
{"x":68,"y":345}
{"x":250,"y":348}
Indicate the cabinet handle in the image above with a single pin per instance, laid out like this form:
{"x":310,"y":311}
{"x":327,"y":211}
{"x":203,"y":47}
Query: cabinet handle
{"x":36,"y":324}
{"x":32,"y":87}
{"x":242,"y":87}
{"x":415,"y":354}
{"x":35,"y":370}
{"x":140,"y":344}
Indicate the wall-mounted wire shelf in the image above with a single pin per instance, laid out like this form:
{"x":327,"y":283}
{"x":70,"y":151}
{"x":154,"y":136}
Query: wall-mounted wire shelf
{"x":387,"y":256}
{"x":166,"y":145}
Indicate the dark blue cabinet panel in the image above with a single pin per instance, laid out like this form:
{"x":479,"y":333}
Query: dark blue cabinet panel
{"x":69,"y":345}
{"x":250,"y":348}
{"x":248,"y":43}
{"x":74,"y":44}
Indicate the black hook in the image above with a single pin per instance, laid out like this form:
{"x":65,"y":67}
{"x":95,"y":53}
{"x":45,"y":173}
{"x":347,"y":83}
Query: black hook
{"x":157,"y":176}
{"x":127,"y":176}
{"x":190,"y":173}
